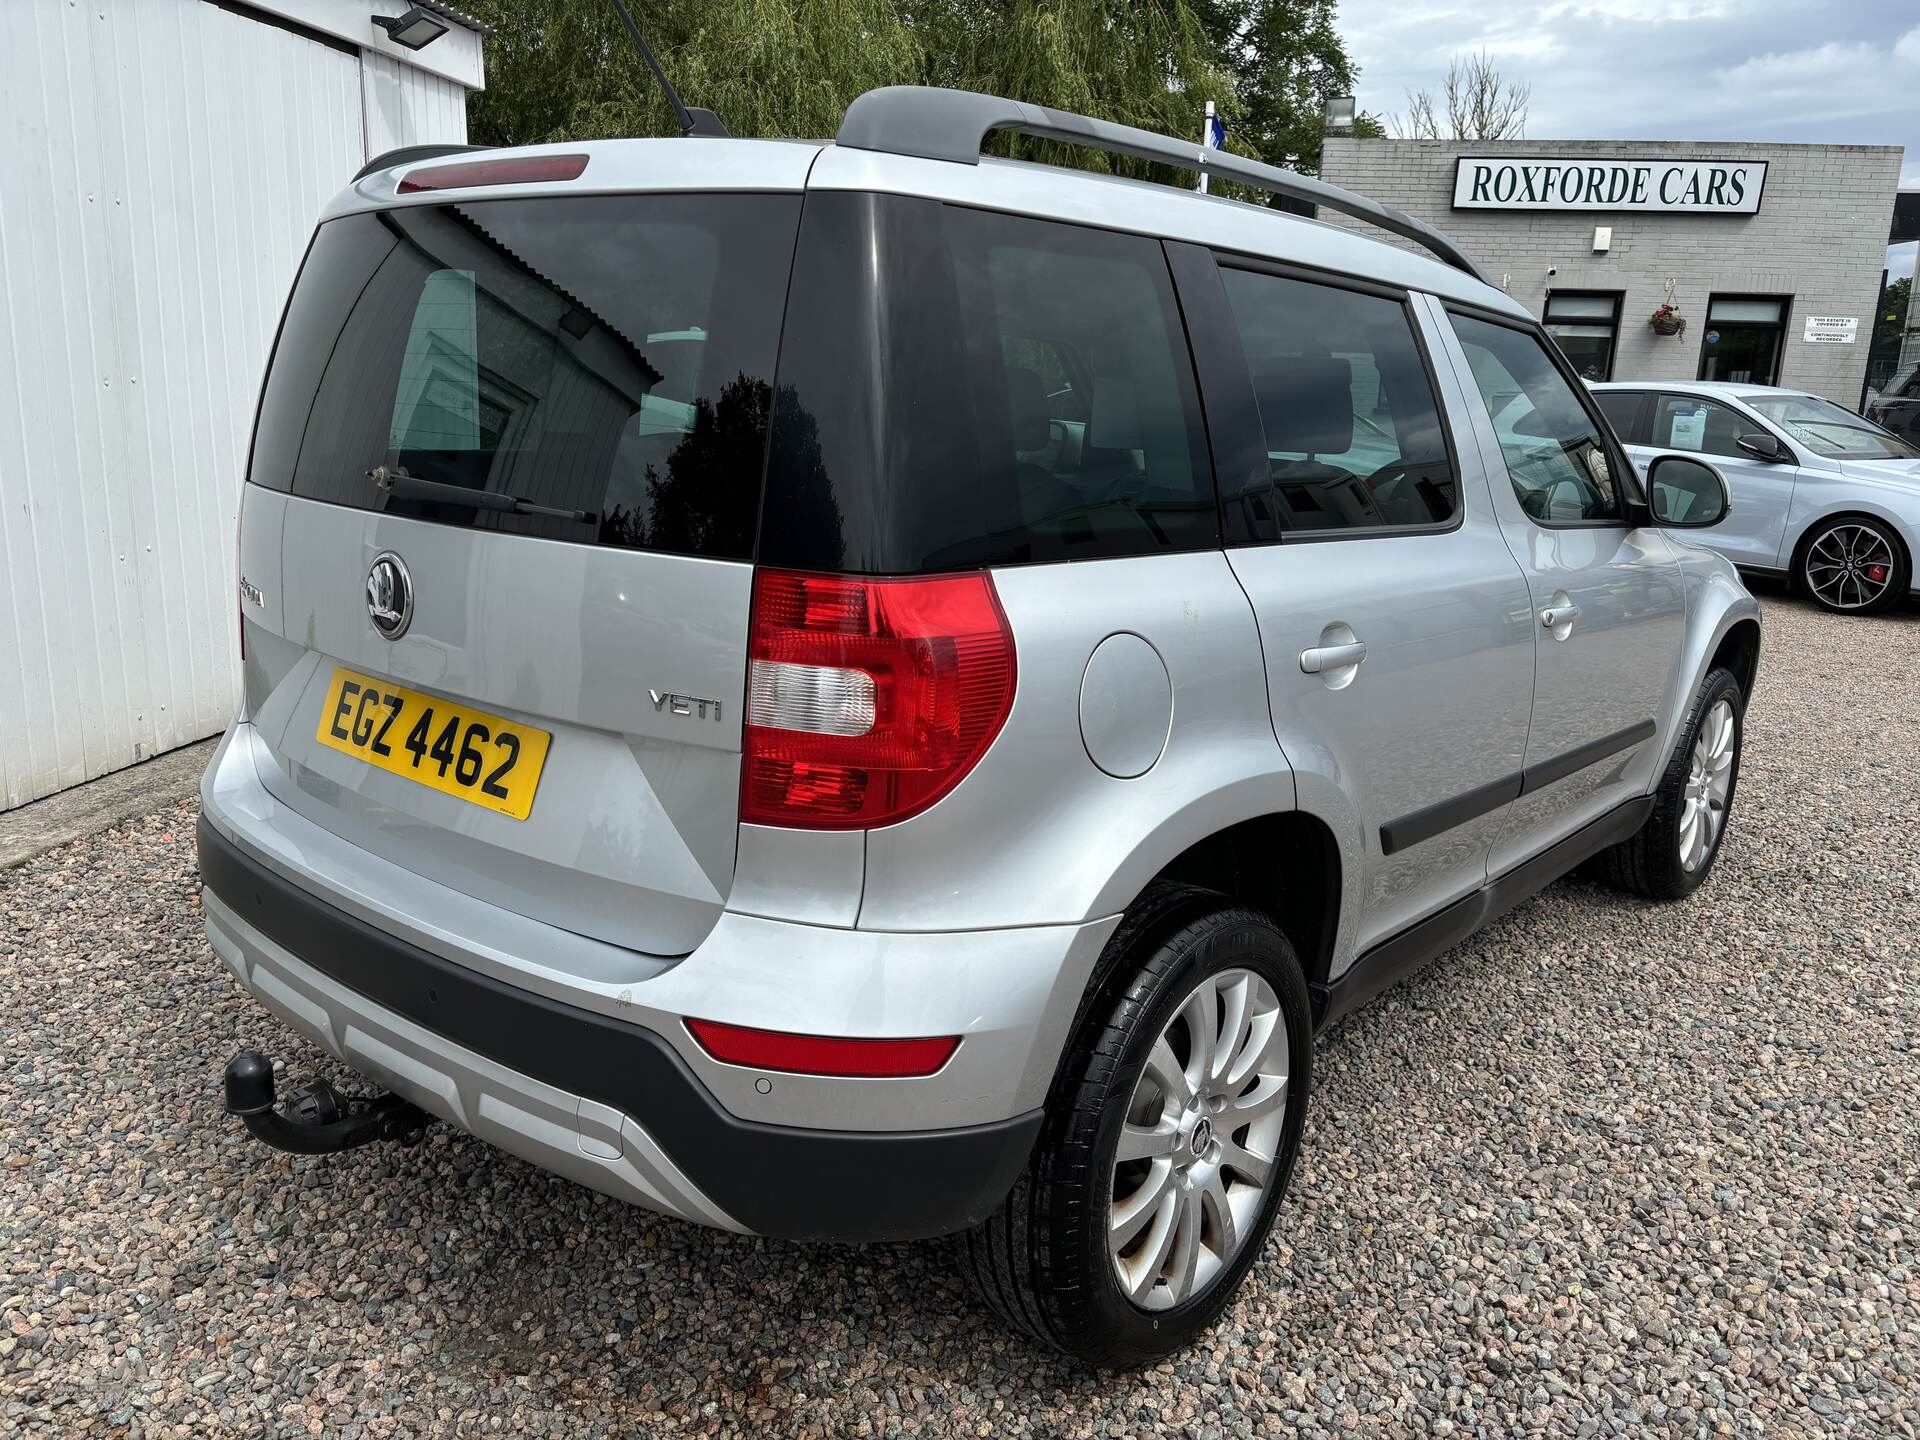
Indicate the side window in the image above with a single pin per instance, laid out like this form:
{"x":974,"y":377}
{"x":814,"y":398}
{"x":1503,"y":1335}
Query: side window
{"x":1622,"y":409}
{"x":1353,"y":433}
{"x":961,"y":388}
{"x":1555,"y":454}
{"x":1693,"y":422}
{"x":1075,"y":338}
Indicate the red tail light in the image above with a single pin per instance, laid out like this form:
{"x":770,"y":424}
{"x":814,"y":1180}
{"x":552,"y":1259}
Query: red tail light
{"x":868,"y":699}
{"x":822,"y":1054}
{"x":510,"y":170}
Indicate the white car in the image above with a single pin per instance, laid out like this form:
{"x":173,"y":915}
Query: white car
{"x":1819,"y":494}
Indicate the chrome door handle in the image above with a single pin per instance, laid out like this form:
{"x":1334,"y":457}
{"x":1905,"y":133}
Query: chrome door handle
{"x":1555,"y":615}
{"x":1323,"y":658}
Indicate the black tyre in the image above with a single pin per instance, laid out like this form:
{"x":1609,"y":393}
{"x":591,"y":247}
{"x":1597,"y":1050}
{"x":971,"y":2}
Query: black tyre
{"x":1852,"y":565}
{"x":1673,"y":852}
{"x":1164,"y":1155}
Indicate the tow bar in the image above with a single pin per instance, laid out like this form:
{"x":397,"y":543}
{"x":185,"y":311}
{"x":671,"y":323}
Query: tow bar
{"x":319,"y":1119}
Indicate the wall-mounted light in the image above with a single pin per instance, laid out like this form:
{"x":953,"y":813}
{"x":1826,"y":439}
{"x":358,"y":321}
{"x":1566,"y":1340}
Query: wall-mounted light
{"x":1340,"y":113}
{"x":414,"y":30}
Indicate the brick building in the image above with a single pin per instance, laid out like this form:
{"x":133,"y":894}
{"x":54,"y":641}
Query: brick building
{"x":1752,"y":244}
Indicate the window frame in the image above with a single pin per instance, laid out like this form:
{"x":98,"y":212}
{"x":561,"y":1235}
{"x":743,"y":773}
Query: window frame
{"x":1634,"y":512}
{"x":1778,"y":328}
{"x":1618,"y":297}
{"x":1214,"y":335}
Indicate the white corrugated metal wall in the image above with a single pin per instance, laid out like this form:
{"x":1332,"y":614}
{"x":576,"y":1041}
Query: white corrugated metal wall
{"x":161,"y":166}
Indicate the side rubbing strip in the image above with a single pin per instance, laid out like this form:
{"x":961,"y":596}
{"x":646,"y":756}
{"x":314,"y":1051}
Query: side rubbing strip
{"x":1425,"y":824}
{"x":1411,"y":829}
{"x":1538,"y":777}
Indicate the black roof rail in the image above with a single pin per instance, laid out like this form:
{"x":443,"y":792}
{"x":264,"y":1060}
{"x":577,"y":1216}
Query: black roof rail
{"x":407,"y":154}
{"x":937,"y":124}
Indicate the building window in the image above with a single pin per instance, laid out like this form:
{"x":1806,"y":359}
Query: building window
{"x":1585,"y":325}
{"x":1742,"y":337}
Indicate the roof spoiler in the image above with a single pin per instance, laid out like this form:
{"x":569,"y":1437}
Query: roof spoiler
{"x":938,"y":124}
{"x":407,"y":154}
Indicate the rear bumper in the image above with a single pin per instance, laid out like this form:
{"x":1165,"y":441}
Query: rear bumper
{"x":600,"y":1100}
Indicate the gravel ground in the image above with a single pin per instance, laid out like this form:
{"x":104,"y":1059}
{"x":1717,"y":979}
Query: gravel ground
{"x":1608,"y":1169}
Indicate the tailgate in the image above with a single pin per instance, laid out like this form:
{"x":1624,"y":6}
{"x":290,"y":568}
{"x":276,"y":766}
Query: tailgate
{"x":511,"y":451}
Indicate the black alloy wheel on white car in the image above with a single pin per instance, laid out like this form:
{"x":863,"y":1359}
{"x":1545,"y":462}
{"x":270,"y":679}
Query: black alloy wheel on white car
{"x":1853,"y":565}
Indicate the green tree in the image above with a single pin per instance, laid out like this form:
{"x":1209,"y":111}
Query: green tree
{"x":1289,"y":59}
{"x":565,"y":69}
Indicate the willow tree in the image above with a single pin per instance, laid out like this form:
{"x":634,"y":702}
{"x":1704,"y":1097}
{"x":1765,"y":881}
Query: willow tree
{"x":565,"y":69}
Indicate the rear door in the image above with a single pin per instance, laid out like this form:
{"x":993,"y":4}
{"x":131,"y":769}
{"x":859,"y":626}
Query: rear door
{"x":1755,"y":529}
{"x":1608,"y":611}
{"x":1394,"y":621}
{"x":520,"y":443}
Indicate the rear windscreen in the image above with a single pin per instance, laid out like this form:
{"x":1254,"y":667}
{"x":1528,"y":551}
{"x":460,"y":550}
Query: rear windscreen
{"x":600,"y":369}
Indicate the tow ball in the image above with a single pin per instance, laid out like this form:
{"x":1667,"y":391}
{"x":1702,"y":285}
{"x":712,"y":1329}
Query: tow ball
{"x":318,"y":1119}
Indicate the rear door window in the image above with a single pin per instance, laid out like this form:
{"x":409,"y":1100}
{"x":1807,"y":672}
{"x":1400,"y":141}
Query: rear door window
{"x":606,"y":362}
{"x":1353,"y":432}
{"x":962,"y":388}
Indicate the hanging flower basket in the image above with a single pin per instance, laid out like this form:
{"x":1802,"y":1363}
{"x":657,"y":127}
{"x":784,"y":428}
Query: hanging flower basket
{"x":1667,"y":321}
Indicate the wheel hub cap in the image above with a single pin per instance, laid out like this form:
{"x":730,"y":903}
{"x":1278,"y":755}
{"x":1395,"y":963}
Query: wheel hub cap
{"x":1200,"y":1138}
{"x":1195,"y":1161}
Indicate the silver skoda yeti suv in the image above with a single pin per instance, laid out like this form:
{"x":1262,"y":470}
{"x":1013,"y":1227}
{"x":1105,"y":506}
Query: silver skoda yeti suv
{"x":859,"y":691}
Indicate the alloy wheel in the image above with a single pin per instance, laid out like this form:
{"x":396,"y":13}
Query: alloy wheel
{"x":1197,"y":1153}
{"x":1709,"y":784}
{"x":1850,"y":566}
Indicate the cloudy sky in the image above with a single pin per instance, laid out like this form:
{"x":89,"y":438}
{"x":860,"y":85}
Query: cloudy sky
{"x":1843,"y":71}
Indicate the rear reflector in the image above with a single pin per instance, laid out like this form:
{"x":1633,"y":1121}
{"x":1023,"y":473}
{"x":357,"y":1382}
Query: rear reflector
{"x":869,"y":699}
{"x":508,"y":170}
{"x":822,"y":1054}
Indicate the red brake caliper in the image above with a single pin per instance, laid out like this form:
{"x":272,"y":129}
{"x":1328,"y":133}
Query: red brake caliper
{"x":1877,"y":574}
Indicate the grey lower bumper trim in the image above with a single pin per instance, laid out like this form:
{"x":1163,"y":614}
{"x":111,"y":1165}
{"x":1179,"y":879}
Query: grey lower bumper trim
{"x":558,"y":1131}
{"x":690,"y":1155}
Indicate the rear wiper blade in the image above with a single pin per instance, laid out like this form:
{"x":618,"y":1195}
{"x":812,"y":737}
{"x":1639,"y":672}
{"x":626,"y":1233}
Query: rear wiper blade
{"x":409,"y":487}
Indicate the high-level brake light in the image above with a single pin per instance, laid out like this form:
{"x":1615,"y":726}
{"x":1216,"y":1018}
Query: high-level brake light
{"x":506,"y":170}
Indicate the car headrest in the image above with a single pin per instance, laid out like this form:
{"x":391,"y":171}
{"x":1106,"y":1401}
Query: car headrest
{"x":1306,"y":402}
{"x":1027,"y":408}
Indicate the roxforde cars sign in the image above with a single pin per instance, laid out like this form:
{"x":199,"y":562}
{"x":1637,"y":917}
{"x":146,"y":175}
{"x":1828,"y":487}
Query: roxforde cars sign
{"x":1704,"y":187}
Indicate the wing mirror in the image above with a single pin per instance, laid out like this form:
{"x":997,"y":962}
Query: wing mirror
{"x":1764,"y":446}
{"x":1685,"y":492}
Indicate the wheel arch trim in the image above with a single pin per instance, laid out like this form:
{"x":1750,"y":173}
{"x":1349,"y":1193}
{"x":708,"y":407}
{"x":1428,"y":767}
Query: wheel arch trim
{"x":1717,"y":604}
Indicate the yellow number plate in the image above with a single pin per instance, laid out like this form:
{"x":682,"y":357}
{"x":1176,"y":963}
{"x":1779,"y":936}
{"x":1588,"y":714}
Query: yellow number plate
{"x":468,"y":753}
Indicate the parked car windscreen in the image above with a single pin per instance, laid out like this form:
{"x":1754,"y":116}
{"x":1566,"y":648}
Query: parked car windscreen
{"x":608,"y":358}
{"x":1827,"y":429}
